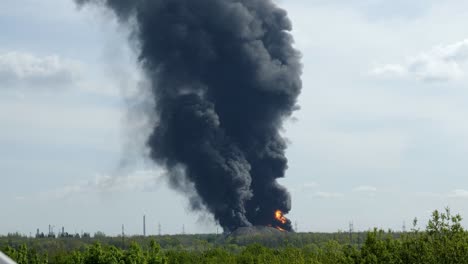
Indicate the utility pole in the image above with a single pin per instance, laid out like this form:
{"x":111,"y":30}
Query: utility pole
{"x":403,"y":228}
{"x":51,"y":232}
{"x":183,"y":229}
{"x":123,"y":236}
{"x":351,"y":230}
{"x":159,"y":229}
{"x":144,"y":225}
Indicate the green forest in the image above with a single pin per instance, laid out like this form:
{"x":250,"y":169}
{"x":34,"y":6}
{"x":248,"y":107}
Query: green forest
{"x":443,"y":240}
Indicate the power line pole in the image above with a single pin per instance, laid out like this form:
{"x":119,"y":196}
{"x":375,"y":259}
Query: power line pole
{"x":123,"y":236}
{"x":351,"y":230}
{"x":159,"y":229}
{"x":144,"y":225}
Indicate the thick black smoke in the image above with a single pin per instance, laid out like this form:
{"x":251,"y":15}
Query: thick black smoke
{"x":224,"y":77}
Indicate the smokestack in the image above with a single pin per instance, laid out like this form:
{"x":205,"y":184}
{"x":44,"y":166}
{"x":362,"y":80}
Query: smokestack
{"x":224,"y":76}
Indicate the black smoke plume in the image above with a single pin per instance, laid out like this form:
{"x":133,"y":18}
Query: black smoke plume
{"x":224,"y":77}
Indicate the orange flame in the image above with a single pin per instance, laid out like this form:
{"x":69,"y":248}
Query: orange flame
{"x":280,"y":217}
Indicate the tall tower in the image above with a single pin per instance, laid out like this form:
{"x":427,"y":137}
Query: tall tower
{"x":144,"y":225}
{"x":123,"y":235}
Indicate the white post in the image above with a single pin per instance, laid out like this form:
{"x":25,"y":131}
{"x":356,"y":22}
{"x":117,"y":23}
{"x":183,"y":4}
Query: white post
{"x":5,"y":260}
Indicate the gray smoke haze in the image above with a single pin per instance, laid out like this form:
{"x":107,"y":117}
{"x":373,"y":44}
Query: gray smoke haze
{"x":224,"y":76}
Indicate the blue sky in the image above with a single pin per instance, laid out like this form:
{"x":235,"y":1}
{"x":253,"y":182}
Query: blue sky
{"x":381,"y":136}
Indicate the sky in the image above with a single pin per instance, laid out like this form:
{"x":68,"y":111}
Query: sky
{"x":380,"y":137}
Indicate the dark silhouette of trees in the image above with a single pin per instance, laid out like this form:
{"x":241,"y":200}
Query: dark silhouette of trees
{"x":444,"y":241}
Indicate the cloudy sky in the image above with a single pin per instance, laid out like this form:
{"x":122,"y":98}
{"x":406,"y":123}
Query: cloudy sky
{"x":381,"y":136}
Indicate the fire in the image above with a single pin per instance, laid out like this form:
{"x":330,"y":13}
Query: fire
{"x":280,"y":217}
{"x":280,"y":220}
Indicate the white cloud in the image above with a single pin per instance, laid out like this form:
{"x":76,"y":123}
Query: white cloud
{"x":26,"y":70}
{"x":442,"y":63}
{"x":328,"y":195}
{"x":365,"y":188}
{"x":139,"y":181}
{"x":31,"y":71}
{"x":459,"y":193}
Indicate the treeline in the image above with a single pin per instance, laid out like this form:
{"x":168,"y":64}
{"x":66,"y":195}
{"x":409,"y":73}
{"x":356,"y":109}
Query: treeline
{"x":443,"y":241}
{"x":195,"y":242}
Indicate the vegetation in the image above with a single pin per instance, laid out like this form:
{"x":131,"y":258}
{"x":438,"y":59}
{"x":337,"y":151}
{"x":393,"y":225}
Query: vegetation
{"x":443,"y":241}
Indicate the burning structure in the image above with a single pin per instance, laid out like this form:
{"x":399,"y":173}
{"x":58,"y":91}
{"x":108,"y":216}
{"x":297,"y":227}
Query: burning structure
{"x":224,"y":76}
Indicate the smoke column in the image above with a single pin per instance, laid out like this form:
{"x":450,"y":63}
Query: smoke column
{"x":224,"y":77}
